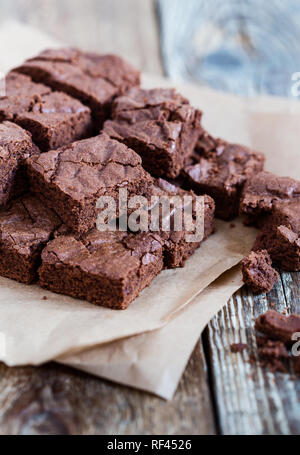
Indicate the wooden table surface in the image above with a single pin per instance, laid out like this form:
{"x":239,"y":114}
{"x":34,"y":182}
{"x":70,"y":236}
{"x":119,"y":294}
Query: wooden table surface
{"x":220,"y":392}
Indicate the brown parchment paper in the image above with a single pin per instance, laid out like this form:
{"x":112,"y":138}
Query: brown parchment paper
{"x":155,"y":361}
{"x":36,"y":330}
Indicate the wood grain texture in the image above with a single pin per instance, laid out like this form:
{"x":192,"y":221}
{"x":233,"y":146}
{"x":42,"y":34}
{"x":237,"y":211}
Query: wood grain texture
{"x":126,"y":27}
{"x":251,"y":399}
{"x":57,"y":400}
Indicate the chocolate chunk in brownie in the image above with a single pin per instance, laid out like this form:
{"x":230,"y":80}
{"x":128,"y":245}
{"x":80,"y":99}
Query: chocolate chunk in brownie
{"x":53,"y":118}
{"x":220,"y":170}
{"x":26,"y":225}
{"x":277,"y":326}
{"x":73,"y":178}
{"x":265,"y":189}
{"x":177,"y":245}
{"x":160,"y":125}
{"x":15,"y":146}
{"x":93,"y":79}
{"x":258,"y":272}
{"x":105,"y":268}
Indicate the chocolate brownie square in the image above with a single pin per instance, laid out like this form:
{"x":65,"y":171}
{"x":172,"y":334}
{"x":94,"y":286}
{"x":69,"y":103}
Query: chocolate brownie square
{"x":159,"y":124}
{"x":220,"y":170}
{"x":92,"y":78}
{"x":26,"y":225}
{"x":258,"y":272}
{"x":177,"y":245}
{"x":15,"y":146}
{"x":105,"y":268}
{"x":264,"y":190}
{"x":53,"y":118}
{"x":73,"y":178}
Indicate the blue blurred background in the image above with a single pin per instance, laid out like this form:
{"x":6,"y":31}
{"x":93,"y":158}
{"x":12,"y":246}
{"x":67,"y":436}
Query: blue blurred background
{"x":245,"y":47}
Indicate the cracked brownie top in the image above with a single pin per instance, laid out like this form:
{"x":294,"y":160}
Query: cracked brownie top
{"x":159,"y":124}
{"x":94,"y":79}
{"x":225,"y":166}
{"x":140,"y":105}
{"x":111,"y":68}
{"x":265,"y":190}
{"x":112,"y":254}
{"x":26,"y":223}
{"x":90,"y":168}
{"x":47,"y":108}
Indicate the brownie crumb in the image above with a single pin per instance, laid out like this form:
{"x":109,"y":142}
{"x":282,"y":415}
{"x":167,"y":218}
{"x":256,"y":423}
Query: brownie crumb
{"x":273,"y":347}
{"x":238,"y":347}
{"x":232,"y":225}
{"x":44,"y":298}
{"x":277,"y":326}
{"x":258,"y":272}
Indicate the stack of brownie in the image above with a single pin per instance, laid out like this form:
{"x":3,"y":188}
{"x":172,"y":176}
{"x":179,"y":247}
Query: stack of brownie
{"x":75,"y":126}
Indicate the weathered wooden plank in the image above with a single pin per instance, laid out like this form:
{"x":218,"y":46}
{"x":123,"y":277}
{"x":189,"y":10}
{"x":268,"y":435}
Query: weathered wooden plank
{"x":128,"y":28}
{"x":57,"y":400}
{"x":250,"y":399}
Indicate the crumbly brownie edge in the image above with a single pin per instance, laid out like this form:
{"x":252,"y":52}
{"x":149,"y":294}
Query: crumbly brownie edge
{"x":63,"y":279}
{"x":258,"y":272}
{"x":17,"y":266}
